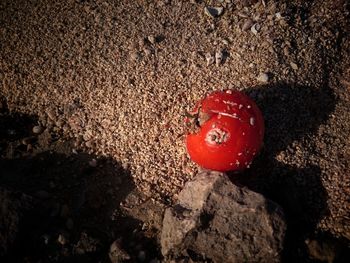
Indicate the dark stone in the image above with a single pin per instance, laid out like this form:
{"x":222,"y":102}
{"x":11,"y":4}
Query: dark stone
{"x":222,"y":222}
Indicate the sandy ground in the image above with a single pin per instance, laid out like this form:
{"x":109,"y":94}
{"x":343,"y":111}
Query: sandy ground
{"x":119,"y":76}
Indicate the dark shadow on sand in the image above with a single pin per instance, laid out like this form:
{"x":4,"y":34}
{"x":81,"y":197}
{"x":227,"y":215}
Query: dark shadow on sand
{"x":292,"y":113}
{"x":69,"y":196}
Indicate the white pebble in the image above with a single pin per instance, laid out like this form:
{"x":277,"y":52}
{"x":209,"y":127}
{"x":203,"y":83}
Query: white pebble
{"x":254,"y":29}
{"x":294,"y":66}
{"x":210,"y":59}
{"x":37,"y":129}
{"x":218,"y":57}
{"x":263,"y":77}
{"x":151,"y":39}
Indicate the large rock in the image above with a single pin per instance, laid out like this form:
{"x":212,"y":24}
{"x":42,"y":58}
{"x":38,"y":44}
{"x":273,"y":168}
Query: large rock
{"x":217,"y":220}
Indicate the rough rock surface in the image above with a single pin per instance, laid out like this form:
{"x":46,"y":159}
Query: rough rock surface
{"x":218,"y":221}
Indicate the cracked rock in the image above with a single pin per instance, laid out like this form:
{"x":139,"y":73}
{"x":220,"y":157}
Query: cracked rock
{"x":222,"y":222}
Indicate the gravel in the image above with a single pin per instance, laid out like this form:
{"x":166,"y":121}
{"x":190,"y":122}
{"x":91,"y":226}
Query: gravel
{"x":89,"y":71}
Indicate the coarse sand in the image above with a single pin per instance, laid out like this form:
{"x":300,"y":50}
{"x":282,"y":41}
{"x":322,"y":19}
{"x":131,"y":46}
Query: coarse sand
{"x":119,"y":77}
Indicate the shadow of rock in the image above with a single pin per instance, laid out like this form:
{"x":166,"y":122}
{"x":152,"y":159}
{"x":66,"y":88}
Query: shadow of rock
{"x":292,"y":113}
{"x":75,"y":211}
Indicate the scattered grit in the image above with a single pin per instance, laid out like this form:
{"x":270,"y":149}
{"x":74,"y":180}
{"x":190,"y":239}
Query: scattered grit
{"x":119,"y":76}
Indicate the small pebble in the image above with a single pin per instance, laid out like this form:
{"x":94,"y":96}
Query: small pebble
{"x":152,"y":39}
{"x":294,"y":66}
{"x":210,"y":58}
{"x":225,"y":42}
{"x":263,"y":77}
{"x":61,"y":239}
{"x":278,"y":15}
{"x":213,"y":11}
{"x":218,"y":57}
{"x":37,"y":129}
{"x":247,"y":24}
{"x":254,"y":29}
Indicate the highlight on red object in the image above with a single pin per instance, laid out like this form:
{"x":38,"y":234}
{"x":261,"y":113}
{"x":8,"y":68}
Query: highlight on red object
{"x":229,"y":134}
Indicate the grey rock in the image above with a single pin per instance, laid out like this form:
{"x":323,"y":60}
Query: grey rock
{"x":222,"y":222}
{"x":213,"y":11}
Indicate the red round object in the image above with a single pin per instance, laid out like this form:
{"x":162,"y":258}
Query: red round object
{"x":231,"y":134}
